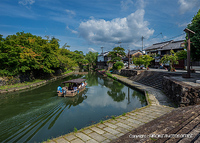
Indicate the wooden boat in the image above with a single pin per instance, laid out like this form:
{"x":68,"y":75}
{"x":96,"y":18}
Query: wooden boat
{"x":71,"y":93}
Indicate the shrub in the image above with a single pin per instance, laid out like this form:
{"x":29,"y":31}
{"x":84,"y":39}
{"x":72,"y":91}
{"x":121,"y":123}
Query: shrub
{"x":118,"y":65}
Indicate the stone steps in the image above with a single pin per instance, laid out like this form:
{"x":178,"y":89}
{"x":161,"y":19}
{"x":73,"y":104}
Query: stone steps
{"x":152,"y":78}
{"x":181,"y":121}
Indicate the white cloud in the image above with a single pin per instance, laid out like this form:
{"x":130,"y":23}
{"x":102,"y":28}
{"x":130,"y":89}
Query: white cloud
{"x":70,"y":12}
{"x":186,"y":5}
{"x":92,"y":50}
{"x":125,"y":4}
{"x":182,"y":37}
{"x":73,"y":31}
{"x":183,"y":24}
{"x":26,"y":2}
{"x":127,"y":30}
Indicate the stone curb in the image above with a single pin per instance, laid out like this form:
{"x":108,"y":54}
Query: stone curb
{"x":114,"y":128}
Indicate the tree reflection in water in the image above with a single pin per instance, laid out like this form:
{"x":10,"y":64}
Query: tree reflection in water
{"x":92,"y":79}
{"x":139,"y":96}
{"x":115,"y":89}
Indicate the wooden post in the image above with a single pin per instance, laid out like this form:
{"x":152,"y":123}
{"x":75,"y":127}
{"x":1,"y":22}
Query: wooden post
{"x":188,"y":53}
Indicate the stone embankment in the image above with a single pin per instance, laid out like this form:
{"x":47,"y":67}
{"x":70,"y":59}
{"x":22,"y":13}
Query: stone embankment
{"x":39,"y":83}
{"x":183,"y":92}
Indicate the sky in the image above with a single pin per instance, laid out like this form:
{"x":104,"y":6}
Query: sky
{"x":88,"y":25}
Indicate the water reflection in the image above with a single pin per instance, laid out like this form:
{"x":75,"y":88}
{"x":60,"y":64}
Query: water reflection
{"x":37,"y":115}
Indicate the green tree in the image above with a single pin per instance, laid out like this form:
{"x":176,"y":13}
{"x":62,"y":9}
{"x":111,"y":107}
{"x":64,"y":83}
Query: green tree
{"x":171,"y":59}
{"x":91,"y":57}
{"x":146,"y":60}
{"x":182,"y":54}
{"x":195,"y":38}
{"x":138,"y":61}
{"x":23,"y":53}
{"x":117,"y":54}
{"x":118,"y":65}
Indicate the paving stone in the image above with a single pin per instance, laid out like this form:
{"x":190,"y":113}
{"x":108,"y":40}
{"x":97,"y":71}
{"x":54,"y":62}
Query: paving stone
{"x":133,"y":121}
{"x":87,"y":131}
{"x":133,"y":125}
{"x":123,"y":117}
{"x":110,"y":125}
{"x":113,"y":121}
{"x":97,"y":137}
{"x":119,"y":135}
{"x":101,"y":126}
{"x":61,"y":140}
{"x":110,"y":130}
{"x":70,"y":137}
{"x":83,"y":136}
{"x":99,"y":131}
{"x":122,"y":130}
{"x":91,"y":141}
{"x":106,"y":141}
{"x":76,"y":141}
{"x":108,"y":135}
{"x":123,"y":125}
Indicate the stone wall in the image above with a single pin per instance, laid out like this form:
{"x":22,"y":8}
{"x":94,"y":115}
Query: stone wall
{"x":130,"y":72}
{"x":181,"y":93}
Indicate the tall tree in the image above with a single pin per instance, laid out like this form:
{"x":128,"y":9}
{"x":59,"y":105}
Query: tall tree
{"x":195,"y":38}
{"x":117,"y":54}
{"x":92,"y":58}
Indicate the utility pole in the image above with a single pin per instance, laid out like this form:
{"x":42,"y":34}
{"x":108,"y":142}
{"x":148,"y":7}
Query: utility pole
{"x":102,"y":50}
{"x":128,"y":58}
{"x":142,"y":42}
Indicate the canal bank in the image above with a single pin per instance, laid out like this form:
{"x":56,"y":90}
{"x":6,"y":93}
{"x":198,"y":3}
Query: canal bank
{"x":38,"y":84}
{"x":111,"y":129}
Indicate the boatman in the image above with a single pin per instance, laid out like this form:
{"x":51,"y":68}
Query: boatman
{"x":59,"y":89}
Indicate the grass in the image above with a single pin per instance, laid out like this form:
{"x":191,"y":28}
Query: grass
{"x":75,"y":129}
{"x":20,"y":84}
{"x":110,"y":75}
{"x":148,"y":97}
{"x":101,"y":122}
{"x":113,"y":117}
{"x":123,"y":114}
{"x":67,"y":72}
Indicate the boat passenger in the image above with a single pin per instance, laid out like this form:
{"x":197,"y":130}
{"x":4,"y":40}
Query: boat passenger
{"x":82,"y":84}
{"x":59,"y":89}
{"x":85,"y":83}
{"x":70,"y":87}
{"x":75,"y":88}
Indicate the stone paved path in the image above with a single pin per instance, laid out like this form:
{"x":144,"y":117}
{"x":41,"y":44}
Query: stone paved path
{"x":114,"y":128}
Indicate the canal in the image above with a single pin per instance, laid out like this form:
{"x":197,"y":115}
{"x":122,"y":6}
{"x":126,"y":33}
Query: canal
{"x":38,"y":114}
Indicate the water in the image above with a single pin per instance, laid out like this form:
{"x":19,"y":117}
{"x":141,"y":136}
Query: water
{"x":37,"y":115}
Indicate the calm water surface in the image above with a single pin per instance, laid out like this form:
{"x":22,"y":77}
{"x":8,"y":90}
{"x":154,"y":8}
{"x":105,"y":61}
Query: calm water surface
{"x":38,"y":114}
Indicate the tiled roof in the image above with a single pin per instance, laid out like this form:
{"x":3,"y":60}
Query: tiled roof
{"x":173,"y":45}
{"x":168,"y":45}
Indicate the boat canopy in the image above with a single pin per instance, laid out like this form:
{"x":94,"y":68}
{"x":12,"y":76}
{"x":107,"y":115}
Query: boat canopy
{"x":78,"y":80}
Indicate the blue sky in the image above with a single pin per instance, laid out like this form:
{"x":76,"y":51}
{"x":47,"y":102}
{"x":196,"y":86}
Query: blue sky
{"x":87,"y":25}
